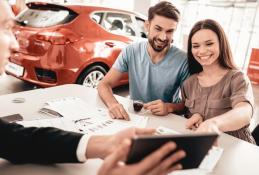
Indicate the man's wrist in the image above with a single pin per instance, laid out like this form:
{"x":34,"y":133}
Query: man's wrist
{"x":111,"y":104}
{"x":97,"y":147}
{"x":176,"y":107}
{"x":170,"y":107}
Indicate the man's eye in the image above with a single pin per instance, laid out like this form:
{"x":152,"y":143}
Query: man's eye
{"x":170,"y":31}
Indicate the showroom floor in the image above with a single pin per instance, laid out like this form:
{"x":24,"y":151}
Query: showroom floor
{"x":11,"y":85}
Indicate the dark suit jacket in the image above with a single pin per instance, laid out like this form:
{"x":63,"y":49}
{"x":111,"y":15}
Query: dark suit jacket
{"x":19,"y":144}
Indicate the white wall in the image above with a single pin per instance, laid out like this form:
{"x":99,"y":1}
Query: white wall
{"x":141,"y":6}
{"x":239,"y":20}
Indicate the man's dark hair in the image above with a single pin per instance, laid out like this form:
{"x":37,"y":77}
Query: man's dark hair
{"x":165,"y":9}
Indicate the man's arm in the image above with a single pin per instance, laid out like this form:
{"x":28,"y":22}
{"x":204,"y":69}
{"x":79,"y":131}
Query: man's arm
{"x":102,"y":146}
{"x":176,"y":108}
{"x":116,"y":109}
{"x":51,"y":145}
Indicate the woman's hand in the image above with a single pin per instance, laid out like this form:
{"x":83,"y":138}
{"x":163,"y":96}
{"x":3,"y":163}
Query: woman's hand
{"x":194,"y":122}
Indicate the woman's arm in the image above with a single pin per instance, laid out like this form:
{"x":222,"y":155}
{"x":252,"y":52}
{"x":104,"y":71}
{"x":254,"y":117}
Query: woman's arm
{"x":234,"y":119}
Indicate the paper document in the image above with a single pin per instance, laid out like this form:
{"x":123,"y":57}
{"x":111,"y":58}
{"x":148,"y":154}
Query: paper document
{"x":74,"y":114}
{"x":207,"y":165}
{"x":161,"y":130}
{"x":69,"y":107}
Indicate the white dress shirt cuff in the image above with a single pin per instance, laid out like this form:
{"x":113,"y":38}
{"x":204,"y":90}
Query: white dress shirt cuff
{"x":81,"y":148}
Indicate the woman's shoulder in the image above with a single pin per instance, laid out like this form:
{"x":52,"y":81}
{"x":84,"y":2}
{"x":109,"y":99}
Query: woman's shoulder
{"x":236,"y":77}
{"x":237,"y":74}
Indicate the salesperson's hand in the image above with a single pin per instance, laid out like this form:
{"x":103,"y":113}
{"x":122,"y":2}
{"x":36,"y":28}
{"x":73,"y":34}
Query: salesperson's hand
{"x":154,"y":164}
{"x":100,"y":146}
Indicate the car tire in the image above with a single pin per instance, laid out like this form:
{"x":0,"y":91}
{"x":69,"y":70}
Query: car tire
{"x":91,"y":76}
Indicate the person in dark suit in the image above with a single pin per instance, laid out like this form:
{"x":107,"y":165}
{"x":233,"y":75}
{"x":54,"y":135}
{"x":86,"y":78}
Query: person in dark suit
{"x":51,"y":145}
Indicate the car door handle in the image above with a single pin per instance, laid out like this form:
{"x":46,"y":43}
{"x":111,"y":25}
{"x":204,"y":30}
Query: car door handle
{"x":110,"y":44}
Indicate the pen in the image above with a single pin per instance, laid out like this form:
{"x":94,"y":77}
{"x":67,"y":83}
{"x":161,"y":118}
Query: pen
{"x":50,"y":112}
{"x":83,"y":119}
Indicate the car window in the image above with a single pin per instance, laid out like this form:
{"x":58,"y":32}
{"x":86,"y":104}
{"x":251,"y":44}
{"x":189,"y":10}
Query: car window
{"x":140,"y":24}
{"x":119,"y":24}
{"x":43,"y":18}
{"x":97,"y":17}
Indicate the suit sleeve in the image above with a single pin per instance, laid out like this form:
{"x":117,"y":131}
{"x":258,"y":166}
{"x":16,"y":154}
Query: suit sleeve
{"x":37,"y":145}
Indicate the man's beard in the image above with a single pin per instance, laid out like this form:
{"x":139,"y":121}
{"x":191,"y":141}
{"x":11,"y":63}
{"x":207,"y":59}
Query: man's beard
{"x":156,"y":47}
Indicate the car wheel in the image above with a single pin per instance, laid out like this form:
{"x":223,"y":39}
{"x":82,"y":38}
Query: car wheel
{"x":92,"y":76}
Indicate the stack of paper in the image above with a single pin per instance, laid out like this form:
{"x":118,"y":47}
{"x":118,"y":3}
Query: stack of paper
{"x":74,"y":114}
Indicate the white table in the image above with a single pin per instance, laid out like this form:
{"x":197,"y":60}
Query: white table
{"x":238,"y":158}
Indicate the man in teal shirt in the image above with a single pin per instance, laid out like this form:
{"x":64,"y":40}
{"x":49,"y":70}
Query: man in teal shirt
{"x":156,"y":69}
{"x":51,"y":145}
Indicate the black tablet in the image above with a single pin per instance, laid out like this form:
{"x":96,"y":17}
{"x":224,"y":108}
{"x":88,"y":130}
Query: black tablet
{"x":196,"y":147}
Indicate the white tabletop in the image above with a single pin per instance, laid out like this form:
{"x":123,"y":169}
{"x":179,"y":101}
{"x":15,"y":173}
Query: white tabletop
{"x":239,"y":157}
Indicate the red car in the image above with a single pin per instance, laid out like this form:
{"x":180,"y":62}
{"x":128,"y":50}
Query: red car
{"x":62,"y":44}
{"x":253,"y":67}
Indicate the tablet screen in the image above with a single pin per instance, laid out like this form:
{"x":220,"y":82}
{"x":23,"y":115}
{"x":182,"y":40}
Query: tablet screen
{"x":196,"y":147}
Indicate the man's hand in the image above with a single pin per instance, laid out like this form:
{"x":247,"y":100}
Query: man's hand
{"x":194,"y":122}
{"x":157,"y":107}
{"x":102,"y":146}
{"x":154,"y":164}
{"x":117,"y":111}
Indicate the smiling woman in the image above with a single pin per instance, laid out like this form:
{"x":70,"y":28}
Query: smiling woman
{"x":218,"y":97}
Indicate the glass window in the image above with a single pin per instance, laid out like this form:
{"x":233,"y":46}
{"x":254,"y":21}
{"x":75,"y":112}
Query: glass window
{"x":97,"y":17}
{"x":44,"y":18}
{"x":118,"y":23}
{"x":141,"y":24}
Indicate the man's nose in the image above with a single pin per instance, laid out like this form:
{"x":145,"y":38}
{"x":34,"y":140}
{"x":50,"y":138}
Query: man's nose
{"x":162,"y":36}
